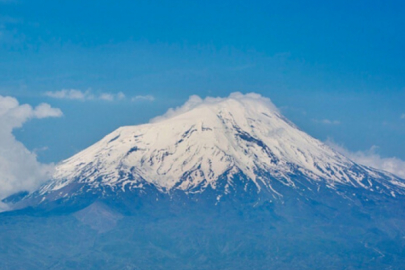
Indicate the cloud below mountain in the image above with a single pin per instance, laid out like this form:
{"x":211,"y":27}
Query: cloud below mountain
{"x":19,"y":168}
{"x":372,"y":159}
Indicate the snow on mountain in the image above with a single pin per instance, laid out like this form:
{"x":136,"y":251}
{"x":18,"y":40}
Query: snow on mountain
{"x":196,"y":144}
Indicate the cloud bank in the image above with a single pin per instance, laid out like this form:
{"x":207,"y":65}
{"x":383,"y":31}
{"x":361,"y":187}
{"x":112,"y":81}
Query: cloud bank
{"x":372,"y":159}
{"x":19,"y":168}
{"x":73,"y":94}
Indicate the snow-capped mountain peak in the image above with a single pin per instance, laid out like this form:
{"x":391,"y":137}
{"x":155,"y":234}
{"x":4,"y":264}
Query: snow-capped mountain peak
{"x":193,"y":146}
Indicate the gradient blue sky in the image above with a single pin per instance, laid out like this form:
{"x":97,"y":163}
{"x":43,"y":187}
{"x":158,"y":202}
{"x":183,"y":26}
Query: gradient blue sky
{"x":335,"y":68}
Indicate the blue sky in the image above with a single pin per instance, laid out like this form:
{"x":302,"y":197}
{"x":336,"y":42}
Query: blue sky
{"x":335,"y":68}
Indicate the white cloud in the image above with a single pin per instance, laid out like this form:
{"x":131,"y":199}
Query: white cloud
{"x":45,"y":110}
{"x":372,"y":159}
{"x":327,"y":121}
{"x":195,"y":101}
{"x":112,"y":97}
{"x":74,"y":94}
{"x":70,"y":94}
{"x":143,"y":98}
{"x":19,"y":168}
{"x":107,"y":97}
{"x":403,"y":116}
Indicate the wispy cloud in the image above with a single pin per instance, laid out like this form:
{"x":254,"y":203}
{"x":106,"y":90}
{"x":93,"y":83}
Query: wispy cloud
{"x":107,"y":97}
{"x":19,"y":168}
{"x":112,"y":97}
{"x":74,"y":94}
{"x":143,"y":98}
{"x":326,"y":121}
{"x":372,"y":159}
{"x":403,"y":116}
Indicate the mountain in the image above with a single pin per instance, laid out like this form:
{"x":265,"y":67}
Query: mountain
{"x":220,"y":183}
{"x":213,"y":145}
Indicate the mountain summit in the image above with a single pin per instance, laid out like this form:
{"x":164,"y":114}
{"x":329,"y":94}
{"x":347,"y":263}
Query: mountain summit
{"x":219,"y":144}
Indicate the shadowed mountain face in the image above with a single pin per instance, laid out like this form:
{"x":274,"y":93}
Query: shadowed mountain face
{"x":216,"y":184}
